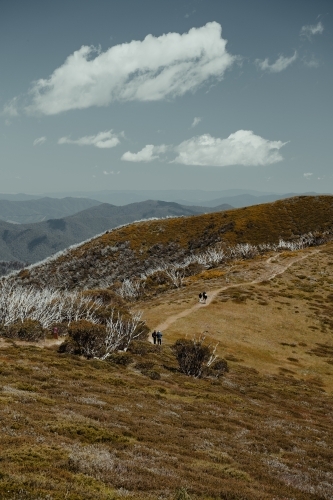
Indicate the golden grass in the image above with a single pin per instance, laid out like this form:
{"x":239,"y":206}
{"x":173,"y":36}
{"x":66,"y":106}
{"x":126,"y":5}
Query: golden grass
{"x":274,"y":326}
{"x":78,"y":429}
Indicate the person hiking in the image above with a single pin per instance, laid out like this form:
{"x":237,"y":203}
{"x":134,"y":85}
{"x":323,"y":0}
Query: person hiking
{"x":159,"y":337}
{"x":200,"y":297}
{"x":204,"y":297}
{"x":154,"y":336}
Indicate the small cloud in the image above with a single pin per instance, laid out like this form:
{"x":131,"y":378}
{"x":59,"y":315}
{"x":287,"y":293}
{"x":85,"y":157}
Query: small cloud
{"x":309,"y":31}
{"x":11,"y":108}
{"x":101,"y":140}
{"x":147,"y":154}
{"x":307,"y":175}
{"x":39,"y":141}
{"x":196,"y":121}
{"x":311,"y":63}
{"x":280,"y":64}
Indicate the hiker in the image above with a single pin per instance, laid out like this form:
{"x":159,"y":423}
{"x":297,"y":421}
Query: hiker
{"x":200,"y":297}
{"x":204,"y":297}
{"x":159,"y":337}
{"x":154,"y":336}
{"x":55,"y":332}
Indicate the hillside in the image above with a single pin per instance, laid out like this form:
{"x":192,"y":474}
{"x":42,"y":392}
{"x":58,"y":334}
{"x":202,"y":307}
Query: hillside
{"x":34,"y":242}
{"x":138,"y":248}
{"x":42,"y":209}
{"x":134,"y":427}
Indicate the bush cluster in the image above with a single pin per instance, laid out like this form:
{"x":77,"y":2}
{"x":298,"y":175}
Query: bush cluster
{"x":197,"y":359}
{"x":28,"y":330}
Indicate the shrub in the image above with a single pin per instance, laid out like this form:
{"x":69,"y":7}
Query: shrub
{"x":87,"y":338}
{"x":194,"y":356}
{"x":28,"y":330}
{"x":101,"y":341}
{"x":123,"y":359}
{"x":153,"y":374}
{"x":181,"y":494}
{"x":141,"y":347}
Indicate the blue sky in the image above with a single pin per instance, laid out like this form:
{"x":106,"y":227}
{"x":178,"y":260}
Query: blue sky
{"x":156,"y":94}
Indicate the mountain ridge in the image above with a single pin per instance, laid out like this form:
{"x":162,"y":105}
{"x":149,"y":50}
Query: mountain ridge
{"x":34,"y":242}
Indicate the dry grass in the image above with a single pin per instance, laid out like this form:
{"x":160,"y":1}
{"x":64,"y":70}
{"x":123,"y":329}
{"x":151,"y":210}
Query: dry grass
{"x":281,"y":325}
{"x":78,"y":429}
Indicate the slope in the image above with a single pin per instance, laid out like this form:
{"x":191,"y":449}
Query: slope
{"x":34,"y":242}
{"x":135,"y":249}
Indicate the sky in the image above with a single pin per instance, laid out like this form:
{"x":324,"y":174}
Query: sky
{"x":166,"y":94}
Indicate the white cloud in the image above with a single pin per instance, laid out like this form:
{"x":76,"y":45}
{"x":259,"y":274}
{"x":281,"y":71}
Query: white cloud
{"x":241,"y":148}
{"x":147,"y":154}
{"x":39,"y":141}
{"x":149,"y":70}
{"x":309,"y":31}
{"x":280,"y":64}
{"x":11,"y":108}
{"x":195,"y":122}
{"x":105,"y":139}
{"x":311,"y":63}
{"x":307,"y":175}
{"x":111,"y":172}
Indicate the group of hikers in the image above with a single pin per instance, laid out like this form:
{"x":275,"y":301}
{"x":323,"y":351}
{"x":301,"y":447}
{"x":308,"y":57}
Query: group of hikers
{"x":157,"y":337}
{"x":203,"y":297}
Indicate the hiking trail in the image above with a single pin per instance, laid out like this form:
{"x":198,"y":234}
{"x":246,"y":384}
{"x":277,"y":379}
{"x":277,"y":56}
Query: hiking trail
{"x":273,"y":269}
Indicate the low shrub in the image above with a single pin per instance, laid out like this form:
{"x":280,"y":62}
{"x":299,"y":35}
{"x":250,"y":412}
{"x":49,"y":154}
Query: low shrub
{"x":153,"y":374}
{"x":86,"y":338}
{"x":193,"y":356}
{"x":123,"y":359}
{"x":29,"y":330}
{"x":197,"y":359}
{"x":141,"y":347}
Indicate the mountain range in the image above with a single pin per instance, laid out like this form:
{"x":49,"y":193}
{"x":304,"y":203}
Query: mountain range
{"x":41,"y":209}
{"x":134,"y":250}
{"x":34,"y":242}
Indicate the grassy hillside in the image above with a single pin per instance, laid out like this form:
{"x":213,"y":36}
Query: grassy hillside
{"x":79,"y":429}
{"x":34,"y":242}
{"x":135,"y":427}
{"x":136,"y":248}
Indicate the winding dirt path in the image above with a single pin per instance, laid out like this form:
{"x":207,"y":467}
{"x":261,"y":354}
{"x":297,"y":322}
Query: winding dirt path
{"x":273,"y":269}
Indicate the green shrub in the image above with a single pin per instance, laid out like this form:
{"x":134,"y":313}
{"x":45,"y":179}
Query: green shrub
{"x":29,"y":330}
{"x":86,"y":338}
{"x":141,"y":347}
{"x":197,"y":359}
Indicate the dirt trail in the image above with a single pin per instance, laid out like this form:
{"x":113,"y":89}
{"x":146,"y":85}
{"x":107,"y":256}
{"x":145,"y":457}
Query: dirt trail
{"x":42,"y":343}
{"x":273,"y":270}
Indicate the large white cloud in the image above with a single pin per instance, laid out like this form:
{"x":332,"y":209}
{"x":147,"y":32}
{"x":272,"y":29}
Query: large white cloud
{"x":105,"y":139}
{"x":147,"y":70}
{"x":279,"y":65}
{"x":309,"y":30}
{"x":241,"y":148}
{"x":147,"y":154}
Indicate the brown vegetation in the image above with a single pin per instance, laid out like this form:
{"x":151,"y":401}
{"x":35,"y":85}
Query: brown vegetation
{"x":133,"y":249}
